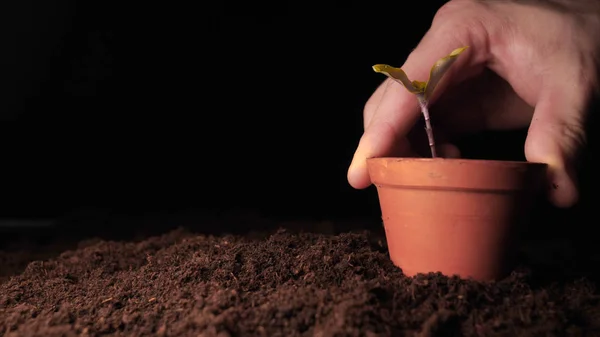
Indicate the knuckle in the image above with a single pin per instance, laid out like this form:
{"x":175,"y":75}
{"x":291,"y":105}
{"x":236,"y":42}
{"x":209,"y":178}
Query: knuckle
{"x":457,"y":11}
{"x":575,"y":133}
{"x":570,"y":134}
{"x":448,"y":10}
{"x":464,"y":21}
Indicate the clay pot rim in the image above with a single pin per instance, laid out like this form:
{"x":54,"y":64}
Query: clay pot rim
{"x":454,"y":173}
{"x":482,"y":162}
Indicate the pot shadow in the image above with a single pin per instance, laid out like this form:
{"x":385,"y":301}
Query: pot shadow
{"x":567,"y":247}
{"x":558,"y":247}
{"x":559,"y":244}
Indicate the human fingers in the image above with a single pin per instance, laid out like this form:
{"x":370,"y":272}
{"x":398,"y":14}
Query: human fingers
{"x":398,"y":109}
{"x":557,"y":136}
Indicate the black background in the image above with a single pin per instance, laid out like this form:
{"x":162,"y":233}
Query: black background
{"x":175,"y":106}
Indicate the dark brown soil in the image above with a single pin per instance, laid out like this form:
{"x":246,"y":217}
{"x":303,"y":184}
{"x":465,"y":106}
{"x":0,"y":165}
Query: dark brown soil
{"x":280,"y":284}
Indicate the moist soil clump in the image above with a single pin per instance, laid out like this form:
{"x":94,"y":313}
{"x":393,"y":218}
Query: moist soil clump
{"x":278,"y":284}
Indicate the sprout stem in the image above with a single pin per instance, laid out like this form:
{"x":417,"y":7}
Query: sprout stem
{"x":425,"y":110}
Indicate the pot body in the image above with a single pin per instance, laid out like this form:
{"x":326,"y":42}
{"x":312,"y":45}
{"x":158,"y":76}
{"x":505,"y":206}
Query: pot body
{"x":454,"y":216}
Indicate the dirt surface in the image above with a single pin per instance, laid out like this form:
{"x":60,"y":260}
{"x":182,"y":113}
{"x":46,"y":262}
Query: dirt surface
{"x":281,"y":283}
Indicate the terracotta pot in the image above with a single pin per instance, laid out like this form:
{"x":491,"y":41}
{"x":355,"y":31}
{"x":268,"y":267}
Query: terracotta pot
{"x":454,"y":216}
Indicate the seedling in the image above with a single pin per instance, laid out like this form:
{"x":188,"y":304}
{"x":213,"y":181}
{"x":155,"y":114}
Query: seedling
{"x":423,"y":90}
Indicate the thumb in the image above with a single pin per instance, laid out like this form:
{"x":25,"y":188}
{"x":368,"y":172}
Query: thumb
{"x":556,"y":137}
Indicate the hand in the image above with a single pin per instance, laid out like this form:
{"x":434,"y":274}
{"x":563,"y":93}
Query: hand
{"x":525,"y":65}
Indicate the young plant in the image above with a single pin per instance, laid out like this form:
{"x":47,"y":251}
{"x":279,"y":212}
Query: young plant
{"x":423,"y":90}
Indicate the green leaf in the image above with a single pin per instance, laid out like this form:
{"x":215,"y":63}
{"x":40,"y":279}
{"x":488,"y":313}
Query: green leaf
{"x":399,"y":76}
{"x":417,"y":87}
{"x":439,"y":69}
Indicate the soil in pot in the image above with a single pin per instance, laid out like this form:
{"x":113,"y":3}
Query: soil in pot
{"x":275,"y":284}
